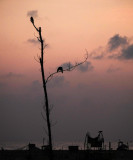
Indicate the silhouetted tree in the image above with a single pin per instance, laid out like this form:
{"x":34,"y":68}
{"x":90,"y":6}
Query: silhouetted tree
{"x":45,"y":80}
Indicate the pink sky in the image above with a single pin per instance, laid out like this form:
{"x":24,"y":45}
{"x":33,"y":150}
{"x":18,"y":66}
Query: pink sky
{"x":69,"y":27}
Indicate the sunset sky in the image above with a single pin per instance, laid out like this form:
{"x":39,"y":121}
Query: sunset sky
{"x":96,"y":96}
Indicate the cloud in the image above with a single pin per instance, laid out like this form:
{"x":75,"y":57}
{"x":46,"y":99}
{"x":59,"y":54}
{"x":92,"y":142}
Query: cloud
{"x":127,"y":53}
{"x":118,"y":47}
{"x":36,"y":86}
{"x":112,"y":69}
{"x":98,"y":53}
{"x":58,"y":81}
{"x":11,"y":75}
{"x":2,"y":85}
{"x":66,"y":65}
{"x":117,"y":41}
{"x":33,"y":41}
{"x":33,"y":13}
{"x":87,"y":66}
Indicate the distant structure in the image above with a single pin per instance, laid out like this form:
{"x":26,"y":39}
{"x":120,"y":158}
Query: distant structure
{"x":32,"y":147}
{"x":122,"y":146}
{"x":73,"y":148}
{"x":96,"y":143}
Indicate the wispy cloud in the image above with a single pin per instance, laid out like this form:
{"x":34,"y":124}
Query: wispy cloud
{"x":11,"y":75}
{"x":2,"y":85}
{"x":36,"y":85}
{"x":87,"y":66}
{"x":33,"y":41}
{"x":58,"y":81}
{"x":33,"y":13}
{"x":113,"y":69}
{"x":66,"y":65}
{"x":118,"y":47}
{"x":98,"y":53}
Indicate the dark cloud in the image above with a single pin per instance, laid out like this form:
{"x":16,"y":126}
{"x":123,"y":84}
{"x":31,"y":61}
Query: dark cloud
{"x":36,"y":86}
{"x":33,"y":13}
{"x":2,"y":85}
{"x":127,"y":53}
{"x":117,"y":41}
{"x":118,"y":47}
{"x":58,"y":81}
{"x":93,"y":105}
{"x":99,"y":57}
{"x":11,"y":75}
{"x":112,"y":69}
{"x":67,"y":65}
{"x":77,"y":108}
{"x":33,"y":41}
{"x":87,"y":66}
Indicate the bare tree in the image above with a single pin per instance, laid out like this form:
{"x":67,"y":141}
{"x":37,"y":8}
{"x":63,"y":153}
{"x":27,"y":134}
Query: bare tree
{"x":46,"y":79}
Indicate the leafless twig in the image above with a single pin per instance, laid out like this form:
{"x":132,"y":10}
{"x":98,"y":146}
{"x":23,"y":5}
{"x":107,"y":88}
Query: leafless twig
{"x":69,"y":67}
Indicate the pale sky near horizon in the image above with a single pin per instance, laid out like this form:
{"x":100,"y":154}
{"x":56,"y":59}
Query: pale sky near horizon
{"x":96,"y":96}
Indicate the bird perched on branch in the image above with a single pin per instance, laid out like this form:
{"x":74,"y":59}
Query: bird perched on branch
{"x":60,"y":69}
{"x":32,"y":20}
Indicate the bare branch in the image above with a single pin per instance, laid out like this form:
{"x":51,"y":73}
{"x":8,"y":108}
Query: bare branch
{"x":69,"y":68}
{"x":37,"y":37}
{"x":53,"y":124}
{"x":36,"y":60}
{"x":46,"y":132}
{"x":43,"y":117}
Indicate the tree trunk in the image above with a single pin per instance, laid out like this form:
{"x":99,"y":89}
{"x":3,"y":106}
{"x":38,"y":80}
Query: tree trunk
{"x":46,"y":98}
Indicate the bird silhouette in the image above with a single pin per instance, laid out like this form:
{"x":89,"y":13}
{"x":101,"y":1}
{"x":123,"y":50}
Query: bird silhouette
{"x":60,"y":69}
{"x":32,"y":20}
